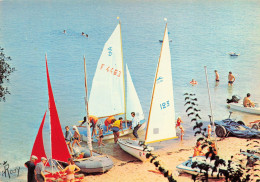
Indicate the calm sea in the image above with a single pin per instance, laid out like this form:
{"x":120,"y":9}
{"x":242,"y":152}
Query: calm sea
{"x":202,"y":34}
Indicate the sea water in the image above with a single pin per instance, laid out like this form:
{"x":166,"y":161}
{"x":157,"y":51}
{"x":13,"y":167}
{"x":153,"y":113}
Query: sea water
{"x":203,"y":32}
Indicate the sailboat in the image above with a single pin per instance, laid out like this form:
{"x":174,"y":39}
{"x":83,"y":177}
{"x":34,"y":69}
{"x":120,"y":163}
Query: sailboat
{"x":59,"y":150}
{"x":161,"y":120}
{"x":108,"y":96}
{"x":92,"y":162}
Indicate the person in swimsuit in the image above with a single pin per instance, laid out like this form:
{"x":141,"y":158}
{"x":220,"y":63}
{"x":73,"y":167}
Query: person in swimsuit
{"x":76,"y":136}
{"x":247,"y":102}
{"x":179,"y":121}
{"x":70,"y":170}
{"x":209,"y":131}
{"x":101,"y":136}
{"x":116,"y":126}
{"x":217,"y":76}
{"x":231,"y":79}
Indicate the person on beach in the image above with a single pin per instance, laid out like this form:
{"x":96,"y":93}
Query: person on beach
{"x":193,"y":82}
{"x":116,"y":126}
{"x":68,"y":138}
{"x":217,"y":76}
{"x":182,"y":132}
{"x":93,"y":120}
{"x":71,"y":169}
{"x":76,"y":136}
{"x":109,"y":121}
{"x":209,"y":131}
{"x":31,"y":166}
{"x":100,"y":135}
{"x":39,"y":169}
{"x":178,"y":122}
{"x":247,"y":102}
{"x":198,"y":150}
{"x":135,"y":124}
{"x":231,"y":79}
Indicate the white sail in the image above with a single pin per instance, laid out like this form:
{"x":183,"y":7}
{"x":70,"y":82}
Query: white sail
{"x":107,"y":93}
{"x":132,"y":100}
{"x":161,"y":121}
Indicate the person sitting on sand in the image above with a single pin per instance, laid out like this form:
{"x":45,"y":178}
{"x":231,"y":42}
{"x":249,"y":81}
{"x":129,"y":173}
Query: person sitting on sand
{"x":109,"y":121}
{"x":76,"y":136}
{"x":71,"y":169}
{"x":100,"y":135}
{"x":231,"y":79}
{"x":193,"y":82}
{"x":247,"y":102}
{"x":217,"y":76}
{"x":198,"y":150}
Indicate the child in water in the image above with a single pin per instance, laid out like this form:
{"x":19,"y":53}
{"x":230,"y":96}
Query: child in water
{"x":101,"y":136}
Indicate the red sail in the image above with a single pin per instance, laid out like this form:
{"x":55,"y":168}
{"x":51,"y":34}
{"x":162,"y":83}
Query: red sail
{"x":59,"y":148}
{"x":38,"y":147}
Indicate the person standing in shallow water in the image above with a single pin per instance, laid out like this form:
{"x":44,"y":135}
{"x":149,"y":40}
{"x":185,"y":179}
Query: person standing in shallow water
{"x":231,"y":79}
{"x":217,"y":76}
{"x":135,"y":124}
{"x":31,"y":166}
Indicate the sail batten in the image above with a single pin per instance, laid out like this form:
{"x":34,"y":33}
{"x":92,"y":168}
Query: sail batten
{"x":161,"y":121}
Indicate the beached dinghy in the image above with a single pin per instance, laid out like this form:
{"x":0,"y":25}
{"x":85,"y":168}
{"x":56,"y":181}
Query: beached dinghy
{"x":161,"y":121}
{"x":186,"y":167}
{"x":239,"y":107}
{"x":107,"y":96}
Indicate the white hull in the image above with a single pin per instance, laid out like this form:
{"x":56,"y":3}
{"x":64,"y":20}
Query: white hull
{"x":240,"y":107}
{"x":185,"y":167}
{"x":132,"y":147}
{"x":110,"y":135}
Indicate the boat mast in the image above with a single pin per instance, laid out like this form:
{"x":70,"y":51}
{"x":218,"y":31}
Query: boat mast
{"x":86,"y":103}
{"x":211,"y":111}
{"x":50,"y":122}
{"x":123,"y":71}
{"x":155,"y":84}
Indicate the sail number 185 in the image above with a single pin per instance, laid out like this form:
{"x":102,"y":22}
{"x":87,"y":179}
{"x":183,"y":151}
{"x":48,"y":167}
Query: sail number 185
{"x":164,"y":105}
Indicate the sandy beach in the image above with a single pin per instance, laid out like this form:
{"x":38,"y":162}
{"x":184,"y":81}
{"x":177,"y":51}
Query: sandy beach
{"x":128,"y":168}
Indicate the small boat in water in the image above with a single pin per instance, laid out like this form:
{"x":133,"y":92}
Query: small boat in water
{"x":161,"y":41}
{"x":240,"y":107}
{"x":161,"y":120}
{"x":233,"y":54}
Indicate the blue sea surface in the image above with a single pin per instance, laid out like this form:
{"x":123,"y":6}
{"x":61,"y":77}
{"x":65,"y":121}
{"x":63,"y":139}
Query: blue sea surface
{"x":203,"y":32}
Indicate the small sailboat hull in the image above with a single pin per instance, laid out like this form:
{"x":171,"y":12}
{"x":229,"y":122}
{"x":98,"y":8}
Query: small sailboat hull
{"x":109,"y":134}
{"x":95,"y":164}
{"x":240,"y":107}
{"x":134,"y":148}
{"x":185,"y":167}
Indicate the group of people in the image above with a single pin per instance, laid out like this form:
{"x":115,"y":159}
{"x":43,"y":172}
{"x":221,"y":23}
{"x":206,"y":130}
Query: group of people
{"x":211,"y":148}
{"x":83,"y":34}
{"x":72,"y":139}
{"x":36,"y":173}
{"x":231,"y":78}
{"x":111,"y":124}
